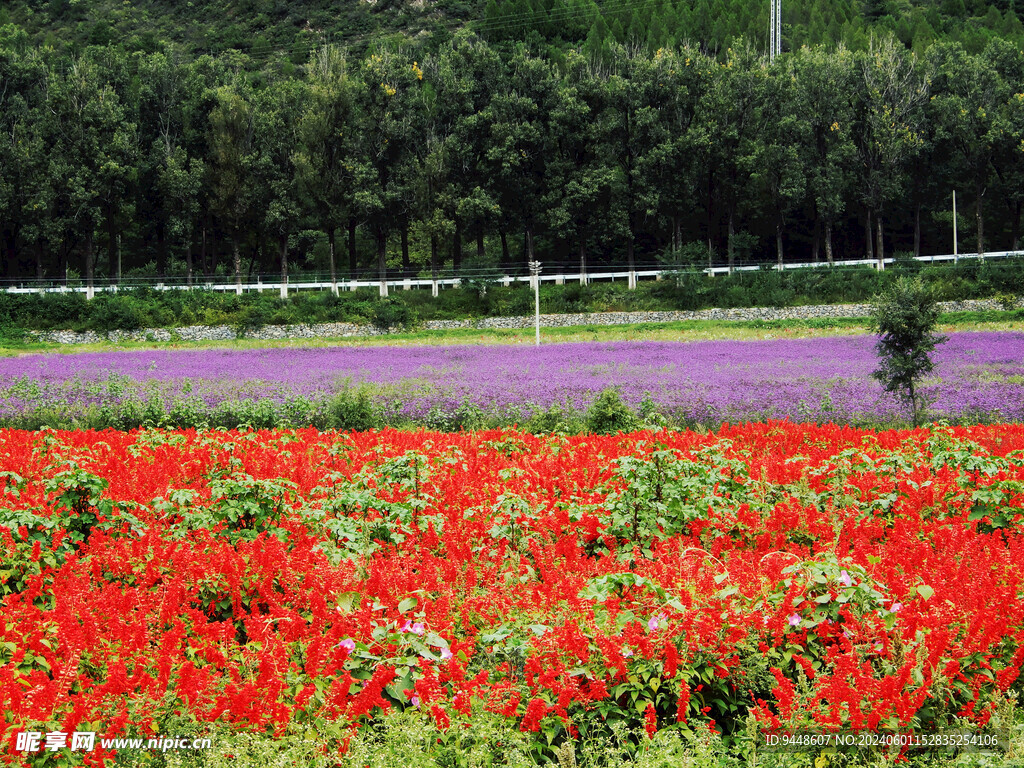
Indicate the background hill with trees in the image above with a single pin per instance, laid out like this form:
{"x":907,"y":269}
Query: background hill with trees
{"x":214,"y":138}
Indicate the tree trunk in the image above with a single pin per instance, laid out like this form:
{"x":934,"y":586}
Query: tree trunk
{"x":161,"y":250}
{"x":382,"y":259}
{"x":709,"y":196}
{"x":917,"y":230}
{"x":677,"y":234}
{"x":284,"y":264}
{"x":980,"y":219}
{"x":237,"y":257}
{"x":457,"y":248}
{"x":202,"y":254}
{"x":913,"y":403}
{"x":283,"y":243}
{"x":112,"y":238}
{"x":90,"y":262}
{"x":352,"y":260}
{"x":331,"y":262}
{"x":528,"y":244}
{"x":188,"y":260}
{"x":433,"y":257}
{"x":868,"y":236}
{"x":255,"y":257}
{"x":7,"y":238}
{"x":1015,"y":226}
{"x":406,"y":266}
{"x":828,"y":243}
{"x":630,"y":264}
{"x":506,"y":260}
{"x":816,"y":241}
{"x":729,"y":245}
{"x":778,"y":242}
{"x":880,"y":250}
{"x":39,"y":259}
{"x":583,"y":256}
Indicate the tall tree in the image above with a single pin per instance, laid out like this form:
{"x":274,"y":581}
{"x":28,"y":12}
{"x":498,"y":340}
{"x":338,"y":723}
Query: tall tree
{"x":392,"y":110}
{"x":22,"y":72}
{"x":888,"y":128}
{"x":278,"y":108}
{"x":672,"y":162}
{"x":1008,"y":61}
{"x":92,"y":151}
{"x":231,"y":143}
{"x":631,"y":127}
{"x":825,"y":82}
{"x":968,"y":94}
{"x":327,"y":138}
{"x":579,"y":185}
{"x":469,"y":74}
{"x":175,"y":103}
{"x":776,"y":155}
{"x":518,"y":143}
{"x":729,"y":118}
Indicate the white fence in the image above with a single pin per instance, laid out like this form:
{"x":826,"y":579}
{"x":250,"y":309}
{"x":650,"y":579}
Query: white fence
{"x":560,"y":278}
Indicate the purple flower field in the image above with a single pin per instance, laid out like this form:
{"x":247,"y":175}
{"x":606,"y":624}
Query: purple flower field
{"x":979,"y":376}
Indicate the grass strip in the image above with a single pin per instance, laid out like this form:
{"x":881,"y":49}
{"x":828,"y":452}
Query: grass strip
{"x":16,"y":342}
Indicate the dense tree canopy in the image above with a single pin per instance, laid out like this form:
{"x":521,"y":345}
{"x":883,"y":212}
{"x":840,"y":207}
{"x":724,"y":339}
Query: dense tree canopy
{"x":116,"y":163}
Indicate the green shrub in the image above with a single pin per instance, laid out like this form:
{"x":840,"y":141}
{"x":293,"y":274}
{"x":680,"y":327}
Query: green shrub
{"x":609,"y":414}
{"x":55,"y":310}
{"x":392,"y":313}
{"x":466,"y":415}
{"x":904,"y":318}
{"x":353,"y":410}
{"x":112,"y":312}
{"x":554,"y":419}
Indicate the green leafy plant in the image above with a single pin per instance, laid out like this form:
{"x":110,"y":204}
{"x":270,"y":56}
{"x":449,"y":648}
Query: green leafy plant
{"x":392,"y":313}
{"x":904,"y":317}
{"x":661,"y":495}
{"x":608,"y":414}
{"x":244,"y":505}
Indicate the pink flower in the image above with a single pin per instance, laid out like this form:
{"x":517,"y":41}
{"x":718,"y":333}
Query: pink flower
{"x":626,"y":652}
{"x":794,"y":620}
{"x":416,"y":629}
{"x":348,"y":644}
{"x":844,"y":579}
{"x":445,"y":654}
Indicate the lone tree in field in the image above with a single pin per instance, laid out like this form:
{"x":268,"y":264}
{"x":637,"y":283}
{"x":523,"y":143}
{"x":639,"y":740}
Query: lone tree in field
{"x":904,"y":318}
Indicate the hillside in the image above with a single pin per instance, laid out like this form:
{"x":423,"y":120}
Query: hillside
{"x":387,"y":139}
{"x":270,"y":28}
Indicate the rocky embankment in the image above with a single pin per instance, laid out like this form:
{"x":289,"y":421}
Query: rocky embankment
{"x":341,"y":330}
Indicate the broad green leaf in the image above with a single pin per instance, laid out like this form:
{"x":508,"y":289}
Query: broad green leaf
{"x":407,"y":604}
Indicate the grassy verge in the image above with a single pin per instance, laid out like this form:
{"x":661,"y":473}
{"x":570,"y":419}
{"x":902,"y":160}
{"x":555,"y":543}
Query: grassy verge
{"x":15,"y":343}
{"x":411,"y":738}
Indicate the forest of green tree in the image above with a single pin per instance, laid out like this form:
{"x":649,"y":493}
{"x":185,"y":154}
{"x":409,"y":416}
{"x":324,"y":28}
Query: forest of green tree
{"x":567,"y":133}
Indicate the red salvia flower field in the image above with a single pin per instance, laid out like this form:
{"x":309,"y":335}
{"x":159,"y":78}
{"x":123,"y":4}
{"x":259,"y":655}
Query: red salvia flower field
{"x":812,"y":575}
